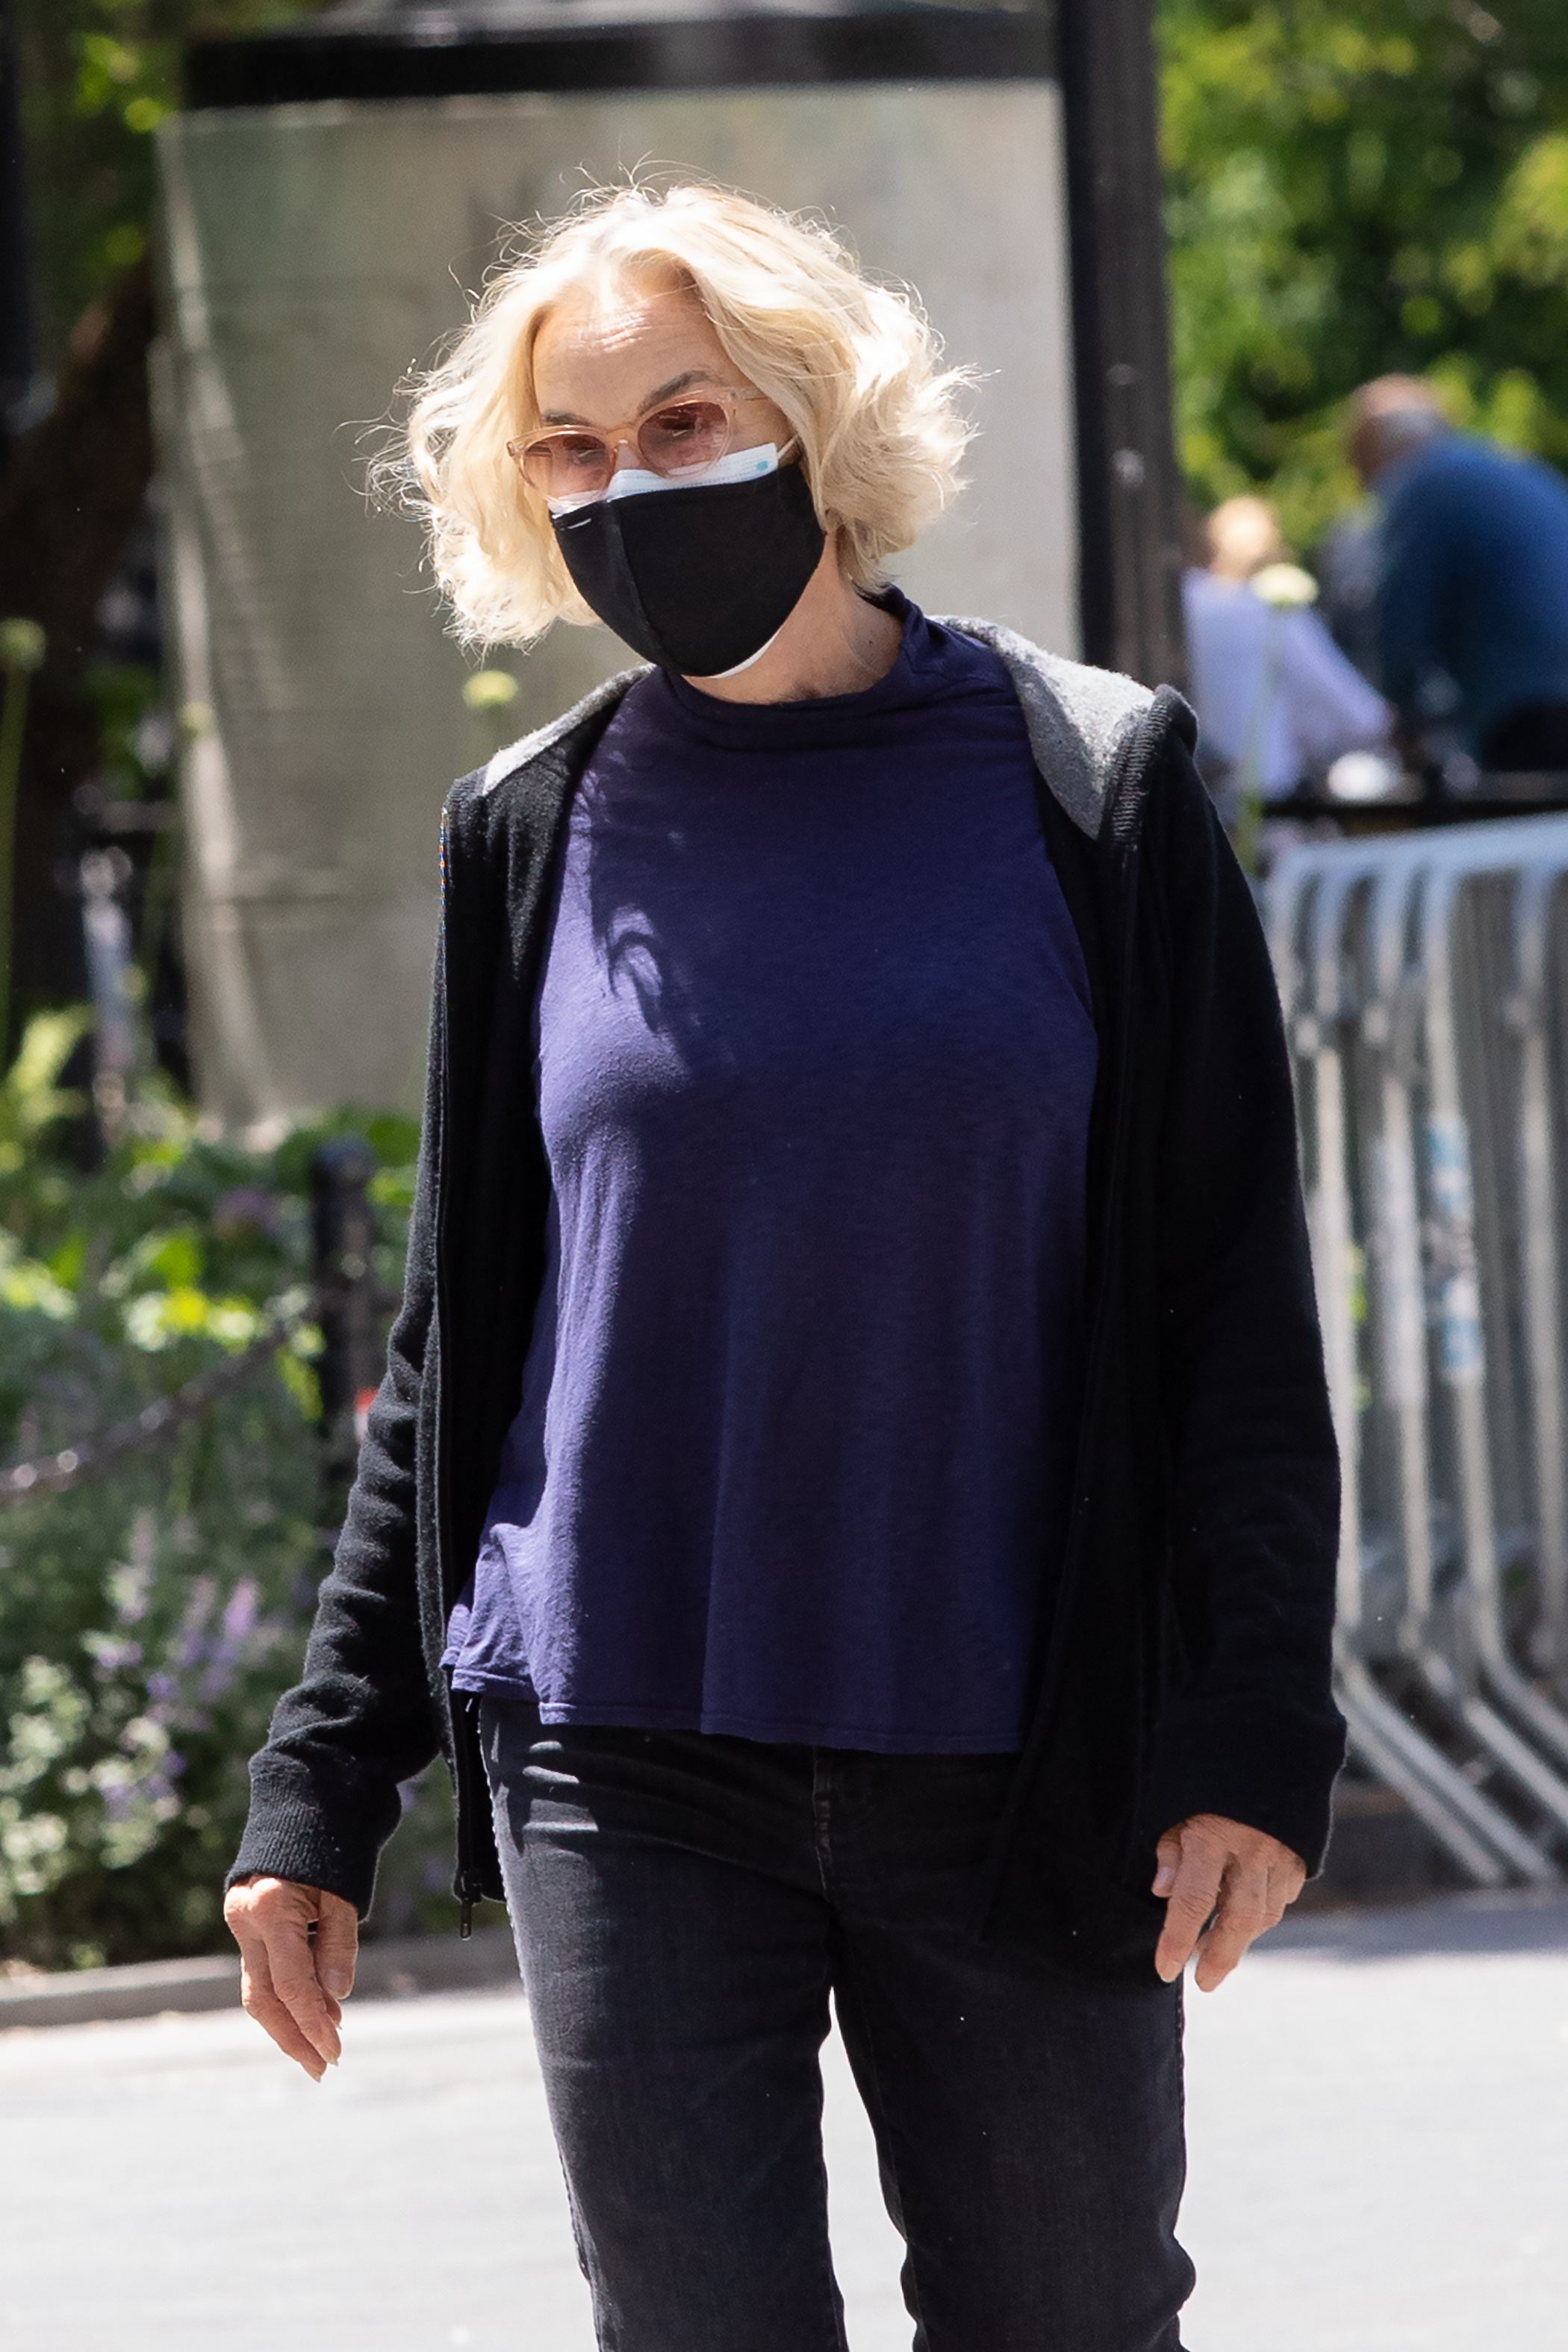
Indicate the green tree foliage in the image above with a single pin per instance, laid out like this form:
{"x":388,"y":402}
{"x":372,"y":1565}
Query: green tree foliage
{"x":1357,"y":189}
{"x":98,"y":77}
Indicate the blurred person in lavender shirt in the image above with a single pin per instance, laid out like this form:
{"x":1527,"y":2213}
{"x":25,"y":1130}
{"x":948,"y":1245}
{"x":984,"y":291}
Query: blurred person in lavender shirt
{"x":1278,"y":702}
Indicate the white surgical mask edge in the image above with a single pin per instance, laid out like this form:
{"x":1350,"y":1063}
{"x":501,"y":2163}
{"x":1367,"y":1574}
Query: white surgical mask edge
{"x":636,"y":481}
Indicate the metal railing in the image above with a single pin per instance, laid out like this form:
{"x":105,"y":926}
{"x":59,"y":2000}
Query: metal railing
{"x":1425,"y":985}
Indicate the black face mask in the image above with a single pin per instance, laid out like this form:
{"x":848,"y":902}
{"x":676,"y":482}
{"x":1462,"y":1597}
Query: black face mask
{"x":698,"y":580}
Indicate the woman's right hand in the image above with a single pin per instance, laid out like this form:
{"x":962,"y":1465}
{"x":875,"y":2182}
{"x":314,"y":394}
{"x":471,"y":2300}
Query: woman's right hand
{"x":287,"y":1984}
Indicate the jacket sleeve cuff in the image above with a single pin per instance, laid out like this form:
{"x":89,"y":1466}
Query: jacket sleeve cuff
{"x":1284,"y":1788}
{"x":300,"y":1829}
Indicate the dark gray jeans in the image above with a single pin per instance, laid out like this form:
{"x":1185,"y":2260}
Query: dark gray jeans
{"x":684,"y":1905}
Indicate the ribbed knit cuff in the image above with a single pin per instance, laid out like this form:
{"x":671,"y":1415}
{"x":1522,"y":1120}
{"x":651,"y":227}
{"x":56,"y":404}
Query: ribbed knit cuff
{"x":1248,"y":1774}
{"x":300,"y":1829}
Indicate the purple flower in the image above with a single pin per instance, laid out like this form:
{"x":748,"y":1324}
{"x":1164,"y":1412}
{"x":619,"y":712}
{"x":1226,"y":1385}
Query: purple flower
{"x":110,"y":1657}
{"x":239,"y":1619}
{"x":189,"y":1647}
{"x":239,"y":1616}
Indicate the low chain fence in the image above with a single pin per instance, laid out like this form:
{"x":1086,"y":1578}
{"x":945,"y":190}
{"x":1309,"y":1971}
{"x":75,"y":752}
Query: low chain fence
{"x":155,"y":1425}
{"x":346,"y":1302}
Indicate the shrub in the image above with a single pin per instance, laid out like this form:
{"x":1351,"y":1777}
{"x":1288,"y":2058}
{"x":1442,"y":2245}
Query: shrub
{"x":150,"y":1616}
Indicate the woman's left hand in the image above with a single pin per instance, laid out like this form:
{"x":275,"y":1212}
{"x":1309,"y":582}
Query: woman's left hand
{"x":1225,"y":1884}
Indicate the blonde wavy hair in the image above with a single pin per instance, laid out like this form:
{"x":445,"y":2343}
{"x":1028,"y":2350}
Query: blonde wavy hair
{"x":855,"y":366}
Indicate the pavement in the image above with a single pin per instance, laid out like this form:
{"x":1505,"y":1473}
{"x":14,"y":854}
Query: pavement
{"x":1378,"y":2107}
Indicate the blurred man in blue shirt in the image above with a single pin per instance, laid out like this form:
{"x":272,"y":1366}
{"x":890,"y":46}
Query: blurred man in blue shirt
{"x":1474,"y":581}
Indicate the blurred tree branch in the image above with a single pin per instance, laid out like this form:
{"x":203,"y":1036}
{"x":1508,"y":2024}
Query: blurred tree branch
{"x":68,"y":497}
{"x":96,"y":79}
{"x":76,"y":482}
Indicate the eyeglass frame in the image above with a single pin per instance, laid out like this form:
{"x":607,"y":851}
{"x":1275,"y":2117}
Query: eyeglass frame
{"x":626,"y":434}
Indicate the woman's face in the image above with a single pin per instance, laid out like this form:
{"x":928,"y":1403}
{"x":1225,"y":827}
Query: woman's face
{"x":604,"y":356}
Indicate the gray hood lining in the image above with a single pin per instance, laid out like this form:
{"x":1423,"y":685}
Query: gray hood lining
{"x":1081,"y":721}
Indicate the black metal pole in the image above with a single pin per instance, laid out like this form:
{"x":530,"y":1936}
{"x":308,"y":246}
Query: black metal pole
{"x":16,"y":360}
{"x":343,"y":1232}
{"x":1130,"y":535}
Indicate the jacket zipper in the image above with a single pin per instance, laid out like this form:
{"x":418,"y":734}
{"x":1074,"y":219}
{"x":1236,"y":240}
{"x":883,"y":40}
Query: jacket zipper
{"x":466,"y":1888}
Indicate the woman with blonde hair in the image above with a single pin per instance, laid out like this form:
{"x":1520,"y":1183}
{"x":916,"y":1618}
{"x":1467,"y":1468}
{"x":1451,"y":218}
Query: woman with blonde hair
{"x":853,"y":1494}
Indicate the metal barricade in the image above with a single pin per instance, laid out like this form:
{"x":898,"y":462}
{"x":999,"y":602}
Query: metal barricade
{"x":1425,"y":985}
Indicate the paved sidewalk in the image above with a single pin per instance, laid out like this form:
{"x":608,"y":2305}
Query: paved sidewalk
{"x":1379,"y":2110}
{"x":1379,"y":2131}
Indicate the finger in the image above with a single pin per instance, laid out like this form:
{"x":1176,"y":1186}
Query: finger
{"x":315,"y":2013}
{"x":1284,"y":1885}
{"x":1242,"y":1917}
{"x":1286,"y":1880}
{"x":337,"y":1947}
{"x":1281,"y":1892}
{"x":1189,"y":1905}
{"x":1168,"y":1861}
{"x":259,"y":1999}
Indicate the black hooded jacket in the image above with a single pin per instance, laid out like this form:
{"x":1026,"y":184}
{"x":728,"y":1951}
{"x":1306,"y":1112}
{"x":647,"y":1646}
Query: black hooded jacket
{"x":1188,"y":1664}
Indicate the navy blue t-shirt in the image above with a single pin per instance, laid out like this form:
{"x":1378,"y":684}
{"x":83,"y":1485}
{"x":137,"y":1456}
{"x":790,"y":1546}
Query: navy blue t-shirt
{"x":815,"y":1062}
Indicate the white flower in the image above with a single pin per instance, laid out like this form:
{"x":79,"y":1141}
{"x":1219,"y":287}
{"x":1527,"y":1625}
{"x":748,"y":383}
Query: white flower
{"x":1285,"y":585}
